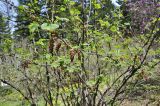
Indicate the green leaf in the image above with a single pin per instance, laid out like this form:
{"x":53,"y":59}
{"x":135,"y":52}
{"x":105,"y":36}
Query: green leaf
{"x":21,"y":7}
{"x":108,"y":38}
{"x":53,"y":26}
{"x":65,"y":1}
{"x":127,"y":24}
{"x":44,"y":26}
{"x":62,"y":8}
{"x":113,"y":29}
{"x":55,"y":65}
{"x":40,"y":42}
{"x":97,"y":33}
{"x":35,"y":1}
{"x":49,"y":27}
{"x":74,"y":11}
{"x":48,"y":56}
{"x":72,"y":2}
{"x":97,"y":6}
{"x":104,"y":23}
{"x":33,"y":26}
{"x":91,"y":82}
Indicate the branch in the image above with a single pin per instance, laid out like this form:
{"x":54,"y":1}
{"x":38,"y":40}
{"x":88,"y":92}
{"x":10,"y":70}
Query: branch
{"x":17,"y":89}
{"x":134,"y":70}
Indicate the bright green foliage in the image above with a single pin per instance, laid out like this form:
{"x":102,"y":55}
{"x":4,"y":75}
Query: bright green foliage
{"x":33,"y":26}
{"x":76,"y":53}
{"x":49,"y":27}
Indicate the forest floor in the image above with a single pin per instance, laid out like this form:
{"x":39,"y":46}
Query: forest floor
{"x":146,"y":93}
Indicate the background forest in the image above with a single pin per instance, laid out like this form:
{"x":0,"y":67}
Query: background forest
{"x":79,"y":53}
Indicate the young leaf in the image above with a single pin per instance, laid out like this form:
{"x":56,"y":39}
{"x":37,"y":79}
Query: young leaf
{"x":113,"y":29}
{"x":49,"y":27}
{"x":33,"y":26}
